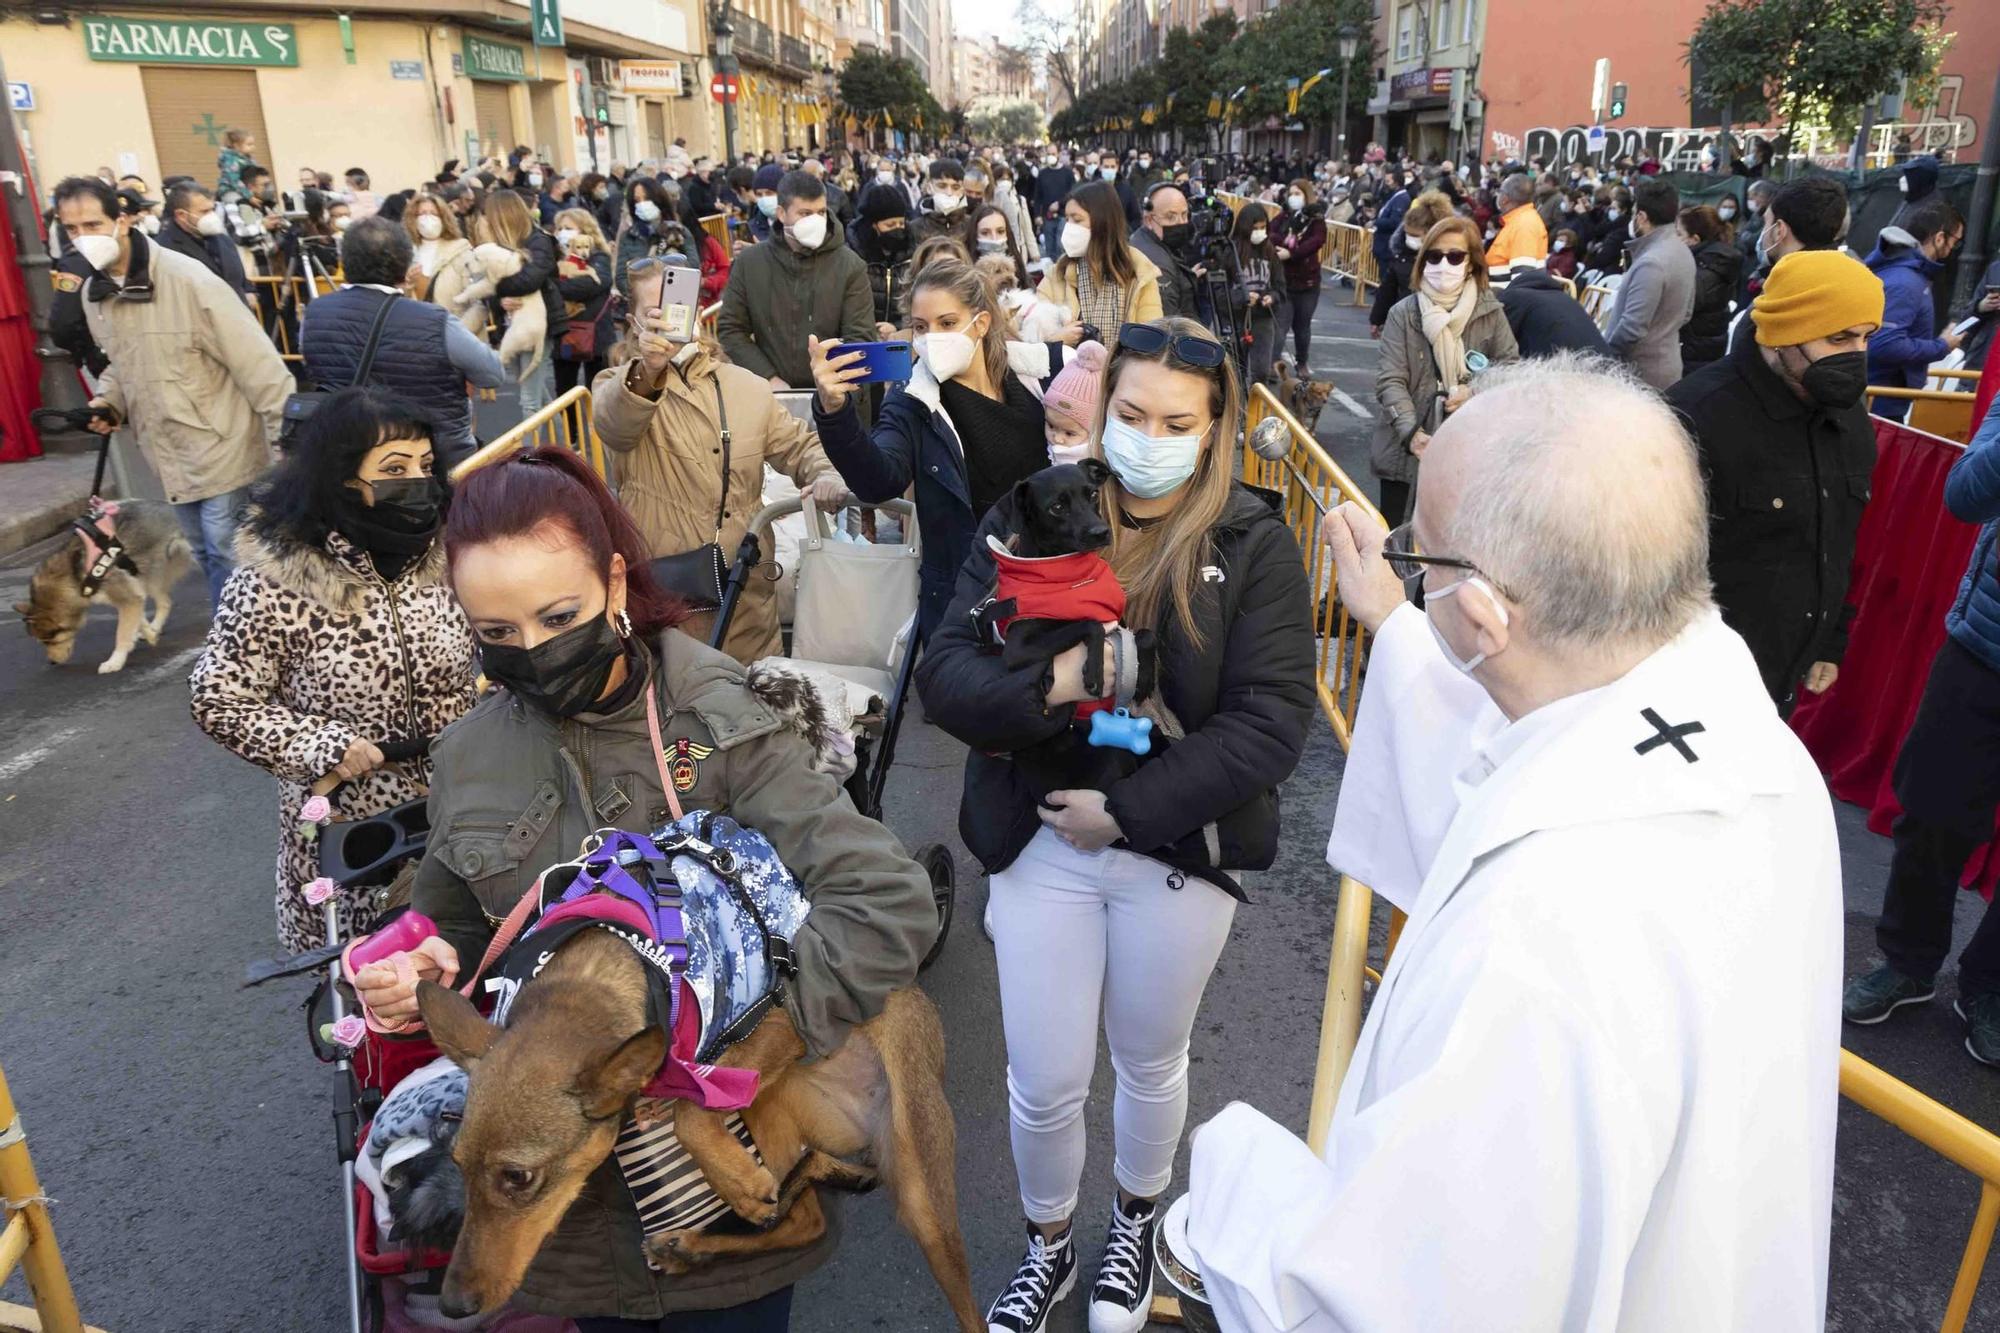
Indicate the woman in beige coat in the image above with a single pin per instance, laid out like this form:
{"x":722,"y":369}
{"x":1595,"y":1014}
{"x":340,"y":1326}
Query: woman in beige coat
{"x":661,"y":406}
{"x":1100,"y":278}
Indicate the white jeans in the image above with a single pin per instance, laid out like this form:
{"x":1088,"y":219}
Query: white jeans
{"x":1072,"y":927}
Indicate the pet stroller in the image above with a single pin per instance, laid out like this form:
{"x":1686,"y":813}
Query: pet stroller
{"x":854,"y":620}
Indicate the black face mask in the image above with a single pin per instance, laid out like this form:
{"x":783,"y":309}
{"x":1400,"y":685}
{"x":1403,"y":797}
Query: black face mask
{"x":1175,"y":235}
{"x":562,"y":676}
{"x":399,"y":526}
{"x":893,"y":244}
{"x":1836,"y":381}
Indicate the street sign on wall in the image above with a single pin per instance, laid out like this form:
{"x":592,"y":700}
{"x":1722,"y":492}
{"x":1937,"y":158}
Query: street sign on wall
{"x":412,"y":70}
{"x":167,"y":42}
{"x":20,"y":96}
{"x":545,"y":21}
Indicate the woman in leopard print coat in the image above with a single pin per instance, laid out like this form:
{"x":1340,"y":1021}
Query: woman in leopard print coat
{"x":337,"y":629}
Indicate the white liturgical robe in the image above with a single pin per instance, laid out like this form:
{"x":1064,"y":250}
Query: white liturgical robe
{"x":1597,"y":1088}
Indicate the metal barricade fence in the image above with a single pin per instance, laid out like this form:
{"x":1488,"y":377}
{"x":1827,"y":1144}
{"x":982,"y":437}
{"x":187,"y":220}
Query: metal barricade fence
{"x":27,"y":1240}
{"x":1350,"y":254}
{"x":1597,"y":303}
{"x":565,"y":423}
{"x":717,"y":225}
{"x":1943,"y":412}
{"x":1311,"y":485}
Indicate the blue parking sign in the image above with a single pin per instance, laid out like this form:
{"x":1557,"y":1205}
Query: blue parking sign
{"x":20,"y":96}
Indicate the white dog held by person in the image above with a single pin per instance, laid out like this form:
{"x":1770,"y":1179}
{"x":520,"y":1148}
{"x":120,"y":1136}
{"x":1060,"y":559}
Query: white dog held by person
{"x":1598,"y":1084}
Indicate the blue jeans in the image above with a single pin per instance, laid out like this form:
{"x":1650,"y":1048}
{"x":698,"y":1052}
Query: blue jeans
{"x":768,"y":1314}
{"x":210,"y":527}
{"x":539,"y":389}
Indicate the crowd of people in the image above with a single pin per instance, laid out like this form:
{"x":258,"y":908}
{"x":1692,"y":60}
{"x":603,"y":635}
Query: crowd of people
{"x":1087,"y":307}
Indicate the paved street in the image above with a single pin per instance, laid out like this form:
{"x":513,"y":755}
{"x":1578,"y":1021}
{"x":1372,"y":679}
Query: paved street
{"x":181,"y":1122}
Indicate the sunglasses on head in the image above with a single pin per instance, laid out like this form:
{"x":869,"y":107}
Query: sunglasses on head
{"x":1452,"y":257}
{"x":1148,"y":339}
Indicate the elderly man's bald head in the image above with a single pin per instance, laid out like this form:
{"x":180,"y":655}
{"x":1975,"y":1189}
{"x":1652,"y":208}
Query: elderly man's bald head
{"x":1574,"y":489}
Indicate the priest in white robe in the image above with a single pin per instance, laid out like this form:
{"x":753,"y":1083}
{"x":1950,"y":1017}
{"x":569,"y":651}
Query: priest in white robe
{"x":1597,"y":1087}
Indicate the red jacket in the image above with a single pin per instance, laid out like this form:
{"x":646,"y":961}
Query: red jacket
{"x":714,"y":269}
{"x":1079,"y":586}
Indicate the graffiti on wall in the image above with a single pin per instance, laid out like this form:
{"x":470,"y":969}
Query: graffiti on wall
{"x":1943,"y":129}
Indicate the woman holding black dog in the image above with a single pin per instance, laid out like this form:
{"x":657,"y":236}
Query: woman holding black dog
{"x":598,"y":690}
{"x":1132,"y":884}
{"x":336,"y":632}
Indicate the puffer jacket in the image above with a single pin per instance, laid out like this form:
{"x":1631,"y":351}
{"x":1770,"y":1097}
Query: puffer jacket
{"x":1718,"y":268}
{"x":776,"y":296}
{"x":192,"y":372}
{"x":670,"y":470}
{"x":310,"y":651}
{"x":1972,"y":493}
{"x":1406,"y":378}
{"x":1902,"y":350}
{"x":1206,"y":804}
{"x":517,"y":791}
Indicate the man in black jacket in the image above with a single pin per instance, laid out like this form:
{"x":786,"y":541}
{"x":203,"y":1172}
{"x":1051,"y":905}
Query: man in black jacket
{"x":1052,"y":185}
{"x":1162,"y":237}
{"x":1545,"y":318}
{"x":1788,"y":450}
{"x":195,"y":227}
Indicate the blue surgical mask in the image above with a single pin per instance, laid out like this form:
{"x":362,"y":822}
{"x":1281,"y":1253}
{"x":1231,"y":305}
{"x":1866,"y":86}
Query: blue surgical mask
{"x":1150,"y":466}
{"x":1432,"y":595}
{"x":646,"y":211}
{"x":767,"y":204}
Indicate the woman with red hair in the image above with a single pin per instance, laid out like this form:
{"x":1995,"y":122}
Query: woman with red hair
{"x":552,"y":576}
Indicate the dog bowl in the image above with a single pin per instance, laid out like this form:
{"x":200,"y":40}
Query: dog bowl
{"x":1175,"y":1263}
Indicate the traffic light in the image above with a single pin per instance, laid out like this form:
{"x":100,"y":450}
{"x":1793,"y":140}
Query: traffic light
{"x":601,"y":99}
{"x":1617,"y":100}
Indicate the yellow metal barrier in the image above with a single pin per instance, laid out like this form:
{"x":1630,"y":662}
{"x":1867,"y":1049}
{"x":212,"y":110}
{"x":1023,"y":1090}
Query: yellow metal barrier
{"x":565,"y":423}
{"x":1350,"y":253}
{"x":27,"y":1240}
{"x":1942,"y":412}
{"x":717,"y":225}
{"x":1953,"y":1137}
{"x":709,"y":316}
{"x":1597,"y":302}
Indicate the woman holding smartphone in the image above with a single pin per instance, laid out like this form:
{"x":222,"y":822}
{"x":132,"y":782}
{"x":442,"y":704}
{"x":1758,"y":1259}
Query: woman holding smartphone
{"x":1117,"y":900}
{"x":694,"y":434}
{"x":965,"y":429}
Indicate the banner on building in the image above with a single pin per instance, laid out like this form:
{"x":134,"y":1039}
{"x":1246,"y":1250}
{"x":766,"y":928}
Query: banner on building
{"x":488,"y":59}
{"x":651,"y":76}
{"x":170,"y":42}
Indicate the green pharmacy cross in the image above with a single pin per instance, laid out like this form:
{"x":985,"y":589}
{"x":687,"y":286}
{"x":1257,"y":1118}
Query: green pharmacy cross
{"x":208,"y":129}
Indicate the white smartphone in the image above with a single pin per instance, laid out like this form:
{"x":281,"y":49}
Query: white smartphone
{"x":1965,"y":326}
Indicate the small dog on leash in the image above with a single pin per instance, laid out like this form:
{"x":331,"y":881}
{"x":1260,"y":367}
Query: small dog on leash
{"x":1304,"y":398}
{"x":57,"y":602}
{"x":528,"y":330}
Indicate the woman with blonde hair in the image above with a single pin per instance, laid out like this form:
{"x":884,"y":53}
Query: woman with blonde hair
{"x":435,"y":237}
{"x":583,"y":278}
{"x":505,"y":219}
{"x":966,"y":428}
{"x":1100,"y":276}
{"x":1435,"y":340}
{"x":1116,"y":895}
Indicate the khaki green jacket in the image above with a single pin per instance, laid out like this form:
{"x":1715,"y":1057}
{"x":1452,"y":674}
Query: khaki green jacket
{"x":516,"y":791}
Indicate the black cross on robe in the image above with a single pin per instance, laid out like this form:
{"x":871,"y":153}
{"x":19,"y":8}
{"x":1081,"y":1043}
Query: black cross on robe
{"x":1666,"y":735}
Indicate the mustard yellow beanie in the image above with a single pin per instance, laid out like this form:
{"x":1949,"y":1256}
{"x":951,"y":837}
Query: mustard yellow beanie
{"x":1815,"y":294}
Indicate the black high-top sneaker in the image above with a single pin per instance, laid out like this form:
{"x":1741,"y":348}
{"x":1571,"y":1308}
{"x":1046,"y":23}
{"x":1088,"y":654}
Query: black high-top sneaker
{"x":1123,"y":1296}
{"x":1046,"y":1275}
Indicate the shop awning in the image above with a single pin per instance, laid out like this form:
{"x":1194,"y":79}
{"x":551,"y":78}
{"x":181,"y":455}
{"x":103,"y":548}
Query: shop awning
{"x":491,"y":15}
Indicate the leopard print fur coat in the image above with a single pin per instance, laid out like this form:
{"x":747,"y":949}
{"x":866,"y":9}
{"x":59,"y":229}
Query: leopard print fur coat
{"x":310,"y":650}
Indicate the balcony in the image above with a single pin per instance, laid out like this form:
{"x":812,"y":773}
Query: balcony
{"x":858,"y":34}
{"x":795,"y":55}
{"x":755,"y":42}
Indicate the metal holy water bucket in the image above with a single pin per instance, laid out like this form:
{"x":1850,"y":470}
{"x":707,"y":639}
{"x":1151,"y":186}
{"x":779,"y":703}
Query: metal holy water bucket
{"x":1175,"y":1263}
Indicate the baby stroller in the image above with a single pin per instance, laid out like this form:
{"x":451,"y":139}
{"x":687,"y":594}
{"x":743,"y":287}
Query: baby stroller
{"x":854,"y":619}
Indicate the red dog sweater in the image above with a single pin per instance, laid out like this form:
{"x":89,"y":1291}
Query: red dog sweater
{"x":1078,"y":586}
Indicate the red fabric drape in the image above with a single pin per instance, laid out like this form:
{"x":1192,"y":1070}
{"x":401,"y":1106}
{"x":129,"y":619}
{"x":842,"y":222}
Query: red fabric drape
{"x":20,"y":372}
{"x":1909,"y":556}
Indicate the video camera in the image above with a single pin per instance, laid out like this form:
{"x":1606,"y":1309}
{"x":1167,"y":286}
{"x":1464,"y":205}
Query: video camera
{"x":1209,"y":221}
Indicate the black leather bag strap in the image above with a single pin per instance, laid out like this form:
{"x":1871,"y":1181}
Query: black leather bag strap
{"x":374,"y":340}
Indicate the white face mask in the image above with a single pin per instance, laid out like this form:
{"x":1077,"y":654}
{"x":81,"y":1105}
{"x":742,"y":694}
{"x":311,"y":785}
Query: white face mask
{"x":809,"y":232}
{"x":948,"y":355}
{"x":210,"y":224}
{"x":98,"y":251}
{"x":1431,"y":595}
{"x":1610,"y":215}
{"x":1257,"y":235}
{"x":535,"y":179}
{"x":1444,"y":279}
{"x":1075,"y":240}
{"x":646,"y":211}
{"x":1295,"y":202}
{"x":1060,"y":454}
{"x":1145,"y":164}
{"x":947,"y":203}
{"x":1003,"y":189}
{"x":1725,"y":213}
{"x":567,"y":236}
{"x":148,"y":224}
{"x":1413,"y":243}
{"x":885,"y":176}
{"x":1150,"y":466}
{"x":342,"y":224}
{"x":1559,"y":246}
{"x":429,"y":227}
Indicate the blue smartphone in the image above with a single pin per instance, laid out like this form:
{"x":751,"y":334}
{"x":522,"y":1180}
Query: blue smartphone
{"x":883,"y":363}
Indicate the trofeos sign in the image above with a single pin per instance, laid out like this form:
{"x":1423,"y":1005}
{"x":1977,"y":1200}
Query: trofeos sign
{"x":488,"y":59}
{"x":173,"y":42}
{"x":651,"y":76}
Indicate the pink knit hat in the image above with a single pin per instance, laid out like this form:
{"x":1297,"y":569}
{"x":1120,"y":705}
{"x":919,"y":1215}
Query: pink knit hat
{"x":1075,"y":390}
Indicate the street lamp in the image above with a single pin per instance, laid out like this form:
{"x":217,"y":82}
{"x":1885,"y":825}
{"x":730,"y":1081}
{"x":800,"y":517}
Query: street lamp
{"x":1350,"y":42}
{"x":724,"y":37}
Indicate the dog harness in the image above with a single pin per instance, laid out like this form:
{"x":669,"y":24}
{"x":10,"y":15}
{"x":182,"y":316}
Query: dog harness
{"x":102,"y":551}
{"x":1077,"y":586}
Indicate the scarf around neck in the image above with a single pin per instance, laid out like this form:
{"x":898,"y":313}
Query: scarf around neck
{"x":1445,"y":325}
